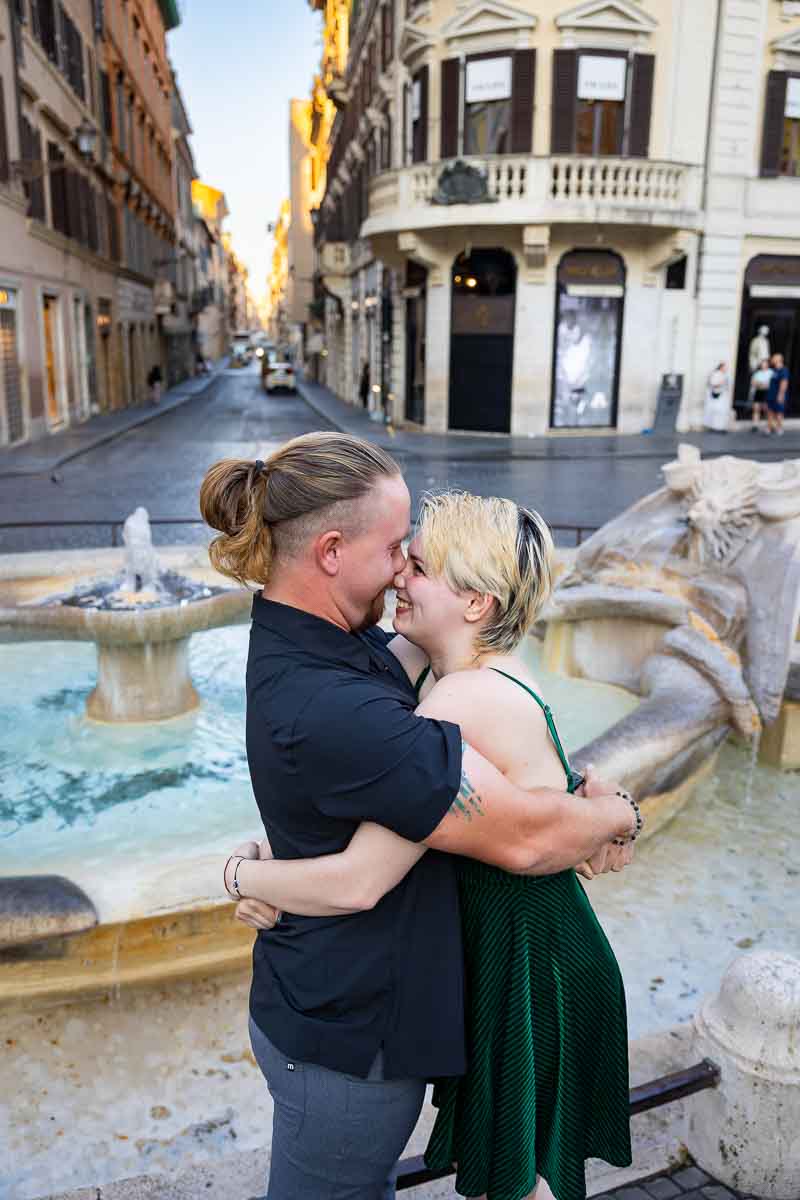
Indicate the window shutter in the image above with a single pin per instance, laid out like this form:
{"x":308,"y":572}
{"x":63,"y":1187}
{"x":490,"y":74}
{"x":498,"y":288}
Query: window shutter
{"x":3,"y":138}
{"x":421,"y":138}
{"x":564,"y":101}
{"x":451,"y":87}
{"x":73,"y":204}
{"x":644,"y":66}
{"x":522,"y":93}
{"x":58,"y":194}
{"x":772,"y":138}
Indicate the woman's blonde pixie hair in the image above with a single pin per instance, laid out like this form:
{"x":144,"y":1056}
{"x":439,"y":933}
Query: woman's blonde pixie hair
{"x":269,"y":510}
{"x":492,"y":546}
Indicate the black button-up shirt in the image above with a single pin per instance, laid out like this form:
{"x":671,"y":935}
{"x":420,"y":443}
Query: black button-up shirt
{"x":333,"y":740}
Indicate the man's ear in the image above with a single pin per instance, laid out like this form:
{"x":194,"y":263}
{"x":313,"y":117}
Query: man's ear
{"x":480,"y":605}
{"x":328,"y":551}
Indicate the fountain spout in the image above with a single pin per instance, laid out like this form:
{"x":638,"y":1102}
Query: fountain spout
{"x":141,"y":571}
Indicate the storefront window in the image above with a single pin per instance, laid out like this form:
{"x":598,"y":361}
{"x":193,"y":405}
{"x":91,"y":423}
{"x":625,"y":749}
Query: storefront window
{"x":487,"y":106}
{"x":588,"y":332}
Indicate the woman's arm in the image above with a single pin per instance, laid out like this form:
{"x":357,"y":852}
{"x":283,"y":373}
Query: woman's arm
{"x":352,"y":881}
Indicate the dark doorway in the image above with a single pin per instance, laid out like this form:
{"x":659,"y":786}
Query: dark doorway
{"x":590,"y":300}
{"x":482,"y":341}
{"x":781,"y":316}
{"x":415,"y":294}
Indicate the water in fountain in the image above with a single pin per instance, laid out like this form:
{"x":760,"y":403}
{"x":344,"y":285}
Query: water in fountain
{"x":143,"y":584}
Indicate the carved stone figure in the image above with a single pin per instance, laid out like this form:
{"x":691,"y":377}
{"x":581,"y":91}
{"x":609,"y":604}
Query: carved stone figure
{"x":462,"y":183}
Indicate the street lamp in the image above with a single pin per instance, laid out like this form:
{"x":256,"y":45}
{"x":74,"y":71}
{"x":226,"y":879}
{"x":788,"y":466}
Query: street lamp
{"x":85,"y":139}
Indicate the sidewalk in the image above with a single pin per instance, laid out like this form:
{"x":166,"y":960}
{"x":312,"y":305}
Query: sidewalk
{"x":242,"y":1176}
{"x":549,"y":447}
{"x":48,"y":453}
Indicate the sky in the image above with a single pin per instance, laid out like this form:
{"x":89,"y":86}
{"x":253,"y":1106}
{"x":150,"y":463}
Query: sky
{"x":238,"y":65}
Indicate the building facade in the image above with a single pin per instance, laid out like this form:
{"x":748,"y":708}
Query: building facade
{"x":211,"y":301}
{"x":179,"y":318}
{"x":536,"y":213}
{"x":85,"y":206}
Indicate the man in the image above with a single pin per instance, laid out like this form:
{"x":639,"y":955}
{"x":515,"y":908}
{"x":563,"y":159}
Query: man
{"x":776,"y":396}
{"x":350,"y":1015}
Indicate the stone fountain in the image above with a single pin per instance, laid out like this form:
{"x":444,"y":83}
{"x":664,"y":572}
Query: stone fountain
{"x":141,"y":623}
{"x":690,"y":599}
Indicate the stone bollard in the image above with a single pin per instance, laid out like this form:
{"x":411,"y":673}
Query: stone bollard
{"x":746,"y":1132}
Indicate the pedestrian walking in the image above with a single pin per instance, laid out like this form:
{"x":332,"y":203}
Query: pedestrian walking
{"x":717,"y":411}
{"x":363,"y":386}
{"x":759,"y":391}
{"x":154,"y":383}
{"x":776,"y":396}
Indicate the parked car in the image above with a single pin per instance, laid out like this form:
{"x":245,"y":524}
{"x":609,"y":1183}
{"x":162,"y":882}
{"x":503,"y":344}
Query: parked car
{"x":277,"y":375}
{"x":241,"y":350}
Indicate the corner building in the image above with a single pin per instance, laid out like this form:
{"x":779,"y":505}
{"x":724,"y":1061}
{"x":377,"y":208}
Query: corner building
{"x":535,"y":211}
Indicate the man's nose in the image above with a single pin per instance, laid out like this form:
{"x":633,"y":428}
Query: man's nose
{"x":399,"y":578}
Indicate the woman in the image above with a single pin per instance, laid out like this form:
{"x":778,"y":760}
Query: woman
{"x":759,"y":392}
{"x":547,"y":1084}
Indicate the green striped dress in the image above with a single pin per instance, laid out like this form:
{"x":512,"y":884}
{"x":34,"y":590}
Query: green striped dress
{"x":547,"y":1081}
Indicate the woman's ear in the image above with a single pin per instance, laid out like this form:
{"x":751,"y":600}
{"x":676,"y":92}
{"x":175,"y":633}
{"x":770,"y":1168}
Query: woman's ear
{"x":479,"y":606}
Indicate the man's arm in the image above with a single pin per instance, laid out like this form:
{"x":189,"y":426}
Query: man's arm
{"x":538,"y":831}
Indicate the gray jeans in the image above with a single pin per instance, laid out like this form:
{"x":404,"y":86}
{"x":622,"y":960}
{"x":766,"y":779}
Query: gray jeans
{"x":334,"y":1136}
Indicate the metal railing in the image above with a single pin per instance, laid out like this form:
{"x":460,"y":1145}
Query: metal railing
{"x":115,"y":524}
{"x":412,"y":1171}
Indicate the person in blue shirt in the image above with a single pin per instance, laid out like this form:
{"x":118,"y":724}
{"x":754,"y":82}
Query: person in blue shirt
{"x":776,"y":397}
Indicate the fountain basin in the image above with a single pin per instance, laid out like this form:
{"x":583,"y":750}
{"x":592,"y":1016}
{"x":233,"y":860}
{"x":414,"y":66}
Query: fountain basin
{"x":142,"y":652}
{"x":143,"y":832}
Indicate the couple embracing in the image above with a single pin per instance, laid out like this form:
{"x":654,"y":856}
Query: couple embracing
{"x":419,"y":910}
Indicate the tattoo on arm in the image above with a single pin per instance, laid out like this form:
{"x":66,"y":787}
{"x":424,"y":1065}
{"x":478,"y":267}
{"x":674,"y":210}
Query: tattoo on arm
{"x":467,"y":803}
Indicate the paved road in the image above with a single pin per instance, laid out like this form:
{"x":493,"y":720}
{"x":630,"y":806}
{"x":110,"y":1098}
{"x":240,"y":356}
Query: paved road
{"x":161,"y":465}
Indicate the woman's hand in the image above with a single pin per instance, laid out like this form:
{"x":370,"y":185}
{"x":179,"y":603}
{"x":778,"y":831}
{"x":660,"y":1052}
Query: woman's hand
{"x":257,"y":914}
{"x":611,"y":857}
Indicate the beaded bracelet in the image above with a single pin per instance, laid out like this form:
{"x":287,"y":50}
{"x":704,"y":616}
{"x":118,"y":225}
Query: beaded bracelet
{"x":238,"y":895}
{"x":639,"y":821}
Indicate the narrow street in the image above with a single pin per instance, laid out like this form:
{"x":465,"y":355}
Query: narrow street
{"x":161,"y":465}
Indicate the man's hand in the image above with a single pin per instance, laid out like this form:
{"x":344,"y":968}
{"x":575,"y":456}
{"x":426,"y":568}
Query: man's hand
{"x":246,"y":850}
{"x":257,"y":914}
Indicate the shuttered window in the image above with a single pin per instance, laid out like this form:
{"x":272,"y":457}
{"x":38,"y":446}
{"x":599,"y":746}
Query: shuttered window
{"x":451,"y":86}
{"x":498,"y":111}
{"x":3,"y":138}
{"x":387,"y":34}
{"x":419,"y":116}
{"x":594,"y":125}
{"x":58,"y":189}
{"x":780,"y":146}
{"x":487,"y":103}
{"x":43,"y":21}
{"x":112,"y":222}
{"x":105,"y":103}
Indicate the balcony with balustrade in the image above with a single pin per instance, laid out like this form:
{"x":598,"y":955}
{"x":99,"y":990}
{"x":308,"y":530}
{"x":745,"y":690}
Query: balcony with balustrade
{"x":523,"y":189}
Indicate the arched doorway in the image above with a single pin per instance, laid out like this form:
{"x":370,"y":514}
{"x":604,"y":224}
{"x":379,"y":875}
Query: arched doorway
{"x":771,"y":300}
{"x":482,"y":340}
{"x":590,"y":298}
